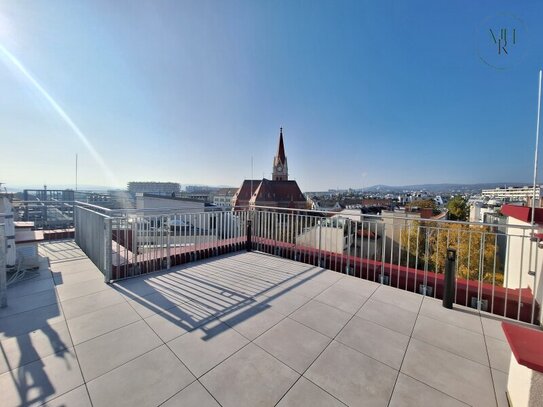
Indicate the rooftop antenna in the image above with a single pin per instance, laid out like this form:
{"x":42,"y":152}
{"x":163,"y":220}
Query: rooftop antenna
{"x":252,"y":176}
{"x":536,"y":146}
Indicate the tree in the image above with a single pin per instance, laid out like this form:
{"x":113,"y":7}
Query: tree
{"x":458,"y":208}
{"x":424,"y":246}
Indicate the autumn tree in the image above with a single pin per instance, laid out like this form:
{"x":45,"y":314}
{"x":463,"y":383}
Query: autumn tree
{"x":424,"y":246}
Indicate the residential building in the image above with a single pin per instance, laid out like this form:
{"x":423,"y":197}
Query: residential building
{"x":223,"y":197}
{"x":157,"y":188}
{"x":513,"y":194}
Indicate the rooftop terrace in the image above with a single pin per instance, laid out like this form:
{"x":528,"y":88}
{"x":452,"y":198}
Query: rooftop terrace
{"x":243,"y":329}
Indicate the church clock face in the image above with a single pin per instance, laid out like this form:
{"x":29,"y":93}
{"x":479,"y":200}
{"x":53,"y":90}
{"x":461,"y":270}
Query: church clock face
{"x":280,"y":169}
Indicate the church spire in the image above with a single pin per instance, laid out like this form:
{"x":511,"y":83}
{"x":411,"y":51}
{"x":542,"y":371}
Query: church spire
{"x":280,"y":170}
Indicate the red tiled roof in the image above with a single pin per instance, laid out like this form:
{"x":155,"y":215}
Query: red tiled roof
{"x":278,"y":191}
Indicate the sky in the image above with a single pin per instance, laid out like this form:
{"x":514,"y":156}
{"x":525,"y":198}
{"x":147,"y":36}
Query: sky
{"x":367,"y":92}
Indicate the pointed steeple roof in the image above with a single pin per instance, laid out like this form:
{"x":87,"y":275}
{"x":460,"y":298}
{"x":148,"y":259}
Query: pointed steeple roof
{"x":281,"y":148}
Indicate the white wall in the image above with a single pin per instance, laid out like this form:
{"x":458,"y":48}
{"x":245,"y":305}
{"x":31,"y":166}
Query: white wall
{"x":331,"y":239}
{"x":148,"y":202}
{"x":521,"y":256}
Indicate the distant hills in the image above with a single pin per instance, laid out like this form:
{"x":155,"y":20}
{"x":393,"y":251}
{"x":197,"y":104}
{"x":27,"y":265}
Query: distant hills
{"x":443,"y":187}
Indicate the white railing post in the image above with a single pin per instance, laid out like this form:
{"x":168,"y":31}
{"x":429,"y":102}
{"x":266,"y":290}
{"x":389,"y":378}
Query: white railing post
{"x":107,"y":250}
{"x":3,"y":253}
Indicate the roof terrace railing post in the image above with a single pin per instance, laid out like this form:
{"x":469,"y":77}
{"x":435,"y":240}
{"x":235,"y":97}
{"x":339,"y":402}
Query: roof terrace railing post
{"x":3,"y":283}
{"x":249,"y":235}
{"x":448,"y":291}
{"x":107,"y":250}
{"x":166,"y":223}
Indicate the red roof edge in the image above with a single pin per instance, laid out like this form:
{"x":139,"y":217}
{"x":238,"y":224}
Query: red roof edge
{"x":526,"y":345}
{"x":523,"y":213}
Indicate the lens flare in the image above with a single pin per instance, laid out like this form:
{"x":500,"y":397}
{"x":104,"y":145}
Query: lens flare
{"x":10,"y":58}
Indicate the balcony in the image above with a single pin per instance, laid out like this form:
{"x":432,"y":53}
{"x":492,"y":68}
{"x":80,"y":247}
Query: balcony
{"x":239,"y":329}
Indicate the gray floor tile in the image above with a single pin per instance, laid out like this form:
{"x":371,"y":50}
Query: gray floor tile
{"x":463,"y":317}
{"x":179,"y":320}
{"x":358,"y":285}
{"x":352,"y":377}
{"x":29,"y":287}
{"x":284,"y":304}
{"x":99,"y":322}
{"x":70,"y":291}
{"x":306,"y":394}
{"x":89,"y":303}
{"x":253,"y":320}
{"x":321,"y":317}
{"x":28,"y":321}
{"x":251,"y":377}
{"x":29,"y":347}
{"x":500,"y":387}
{"x":42,"y":380}
{"x":194,"y":395}
{"x":77,"y":397}
{"x":400,"y":298}
{"x":323,"y":276}
{"x":454,"y":375}
{"x":303,"y":286}
{"x":104,"y":353}
{"x":345,"y":300}
{"x":451,"y":338}
{"x":135,"y":287}
{"x":293,"y":343}
{"x":409,"y":392}
{"x":130,"y":384}
{"x":204,"y":348}
{"x":154,"y":303}
{"x":389,"y":316}
{"x":29,"y":302}
{"x":493,"y":327}
{"x":499,"y":353}
{"x":374,"y":340}
{"x":63,"y":278}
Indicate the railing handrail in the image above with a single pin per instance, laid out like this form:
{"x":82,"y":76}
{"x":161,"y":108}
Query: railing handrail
{"x":405,"y":217}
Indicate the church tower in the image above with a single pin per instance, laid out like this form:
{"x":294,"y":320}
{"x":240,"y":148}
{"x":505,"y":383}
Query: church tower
{"x":280,"y":167}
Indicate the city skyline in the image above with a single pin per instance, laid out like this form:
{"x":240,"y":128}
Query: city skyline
{"x":194,"y":92}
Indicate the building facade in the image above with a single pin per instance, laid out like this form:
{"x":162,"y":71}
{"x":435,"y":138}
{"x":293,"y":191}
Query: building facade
{"x":513,"y":194}
{"x":157,"y":188}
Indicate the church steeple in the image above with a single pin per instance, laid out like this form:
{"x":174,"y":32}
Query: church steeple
{"x":280,"y":168}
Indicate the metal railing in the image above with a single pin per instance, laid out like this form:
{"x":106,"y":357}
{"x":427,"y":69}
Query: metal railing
{"x":497,"y":267}
{"x":45,"y":214}
{"x":3,"y":270}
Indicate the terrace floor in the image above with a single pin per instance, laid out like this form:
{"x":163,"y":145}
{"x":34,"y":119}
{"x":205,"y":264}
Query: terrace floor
{"x":246,"y":329}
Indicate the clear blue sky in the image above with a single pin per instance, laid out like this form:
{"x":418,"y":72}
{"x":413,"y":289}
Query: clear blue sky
{"x":368,"y":92}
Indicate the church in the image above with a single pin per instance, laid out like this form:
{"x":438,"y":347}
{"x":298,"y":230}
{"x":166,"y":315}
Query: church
{"x":278,"y":192}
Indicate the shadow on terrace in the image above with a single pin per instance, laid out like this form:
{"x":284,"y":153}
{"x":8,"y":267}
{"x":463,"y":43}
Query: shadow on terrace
{"x":195,"y":295}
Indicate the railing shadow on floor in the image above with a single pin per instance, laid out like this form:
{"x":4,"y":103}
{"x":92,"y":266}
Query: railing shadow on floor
{"x":213,"y":299}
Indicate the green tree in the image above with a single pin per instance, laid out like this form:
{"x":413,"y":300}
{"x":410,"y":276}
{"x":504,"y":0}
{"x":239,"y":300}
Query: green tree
{"x":458,"y":208}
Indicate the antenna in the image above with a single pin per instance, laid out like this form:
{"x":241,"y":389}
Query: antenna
{"x":251,"y":178}
{"x":536,"y":146}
